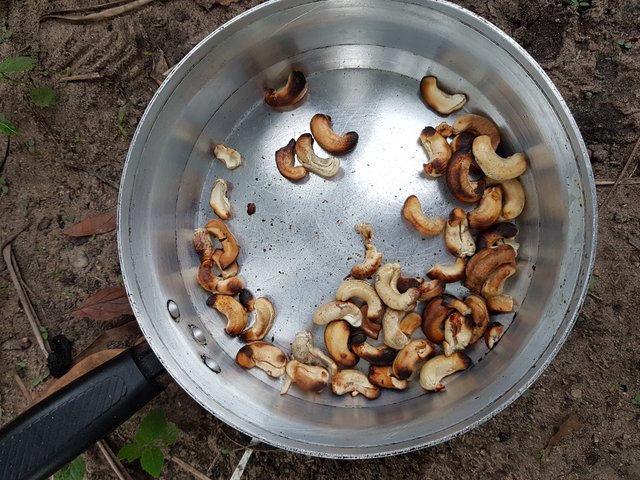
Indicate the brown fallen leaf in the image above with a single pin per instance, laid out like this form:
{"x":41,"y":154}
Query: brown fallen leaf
{"x":570,"y":425}
{"x":160,"y":66}
{"x":86,"y":365}
{"x":123,"y":336}
{"x":102,"y":223}
{"x":105,"y":305}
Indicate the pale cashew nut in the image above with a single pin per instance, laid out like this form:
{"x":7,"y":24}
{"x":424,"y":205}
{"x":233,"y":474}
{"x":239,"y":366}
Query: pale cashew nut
{"x":435,"y":369}
{"x":513,"y":197}
{"x":410,"y":323}
{"x":489,"y":210}
{"x":285,"y":159}
{"x":392,"y":335}
{"x":500,"y":303}
{"x":265,"y":313}
{"x":458,"y":331}
{"x":291,"y":93}
{"x":330,"y":140}
{"x":437,"y":149}
{"x":362,"y":291}
{"x":457,"y":235}
{"x":372,"y":258}
{"x":303,"y":350}
{"x":263,"y":355}
{"x":227,"y":155}
{"x":412,"y":211}
{"x":354,"y":382}
{"x":477,"y":125}
{"x":219,"y":201}
{"x":325,"y":167}
{"x":382,"y":376}
{"x":493,"y":165}
{"x":438,"y":100}
{"x":386,"y":286}
{"x":230,"y":247}
{"x":493,"y":334}
{"x":338,"y":311}
{"x":309,"y":378}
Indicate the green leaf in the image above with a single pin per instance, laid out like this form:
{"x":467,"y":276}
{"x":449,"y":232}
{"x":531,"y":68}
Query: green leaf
{"x":17,"y":64}
{"x":43,"y":96}
{"x":170,"y":435}
{"x":225,"y":450}
{"x":628,"y":45}
{"x":38,"y":380}
{"x":7,"y":127}
{"x":152,"y":461}
{"x":21,"y":365}
{"x":154,"y":428}
{"x":74,"y":470}
{"x":44,"y":332}
{"x":620,"y":41}
{"x":592,"y":284}
{"x":636,"y":400}
{"x":584,"y":4}
{"x":130,"y":452}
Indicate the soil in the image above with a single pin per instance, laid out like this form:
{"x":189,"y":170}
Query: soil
{"x":596,"y":375}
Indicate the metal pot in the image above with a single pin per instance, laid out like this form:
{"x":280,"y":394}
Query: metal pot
{"x":363,"y":61}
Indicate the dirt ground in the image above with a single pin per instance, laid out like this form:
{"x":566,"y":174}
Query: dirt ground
{"x":596,"y":375}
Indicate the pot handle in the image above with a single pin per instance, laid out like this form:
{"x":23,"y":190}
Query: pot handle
{"x":60,"y":427}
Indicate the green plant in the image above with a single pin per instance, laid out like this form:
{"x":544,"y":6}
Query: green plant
{"x":540,"y":455}
{"x":38,"y":380}
{"x":6,"y":127}
{"x":122,"y":116}
{"x":69,"y":294}
{"x":13,"y":65}
{"x":581,"y":3}
{"x":636,"y":400}
{"x":4,"y":188}
{"x":44,"y":333}
{"x":43,"y":96}
{"x":626,"y":44}
{"x":21,"y":364}
{"x":73,"y":470}
{"x":154,"y":433}
{"x":5,"y":33}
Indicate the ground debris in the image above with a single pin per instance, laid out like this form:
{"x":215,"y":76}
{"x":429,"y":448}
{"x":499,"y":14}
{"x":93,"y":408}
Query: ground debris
{"x":569,"y":425}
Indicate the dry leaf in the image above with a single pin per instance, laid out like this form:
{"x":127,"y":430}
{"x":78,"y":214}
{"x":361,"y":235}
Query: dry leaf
{"x":570,"y":425}
{"x":92,"y":361}
{"x":105,"y":305}
{"x":123,"y":336}
{"x":160,"y":66}
{"x":103,"y":223}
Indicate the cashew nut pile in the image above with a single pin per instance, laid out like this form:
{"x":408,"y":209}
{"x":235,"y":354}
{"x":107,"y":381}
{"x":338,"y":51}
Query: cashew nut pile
{"x":402,"y":327}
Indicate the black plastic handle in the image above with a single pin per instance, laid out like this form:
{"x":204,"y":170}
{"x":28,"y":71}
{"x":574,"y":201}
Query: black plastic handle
{"x":56,"y":430}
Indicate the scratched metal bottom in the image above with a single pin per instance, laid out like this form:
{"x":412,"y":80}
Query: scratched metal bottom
{"x":363,"y":60}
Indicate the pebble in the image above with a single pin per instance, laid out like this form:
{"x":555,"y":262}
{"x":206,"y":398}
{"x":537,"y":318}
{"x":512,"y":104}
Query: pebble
{"x":576,"y":393}
{"x":79,"y":260}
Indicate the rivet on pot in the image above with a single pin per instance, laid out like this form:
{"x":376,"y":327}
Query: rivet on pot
{"x":212,"y":364}
{"x":174,"y":311}
{"x":198,"y":335}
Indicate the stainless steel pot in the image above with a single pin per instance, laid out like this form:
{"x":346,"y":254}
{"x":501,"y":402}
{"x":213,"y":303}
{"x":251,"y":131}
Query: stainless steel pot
{"x":363,"y":60}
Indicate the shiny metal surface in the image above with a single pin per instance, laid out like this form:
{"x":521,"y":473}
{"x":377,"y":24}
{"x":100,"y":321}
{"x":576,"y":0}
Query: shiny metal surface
{"x":364,"y":60}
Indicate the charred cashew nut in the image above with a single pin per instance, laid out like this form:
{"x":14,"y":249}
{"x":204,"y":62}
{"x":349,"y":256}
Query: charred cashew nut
{"x":330,"y":140}
{"x":265,"y":313}
{"x":493,"y":165}
{"x":230,"y":247}
{"x":382,"y":376}
{"x":285,"y":160}
{"x":489,"y":210}
{"x":458,"y":331}
{"x":455,"y":303}
{"x":437,"y":368}
{"x":303,"y":350}
{"x":391,"y":333}
{"x":294,"y":91}
{"x":483,"y":263}
{"x":500,"y":303}
{"x":366,"y":351}
{"x":513,"y":197}
{"x":462,"y":141}
{"x":371,"y":328}
{"x":494,"y":332}
{"x":325,"y":167}
{"x":412,"y":211}
{"x":494,"y":284}
{"x":372,"y":258}
{"x":410,"y":323}
{"x":477,"y":125}
{"x":207,"y":279}
{"x":440,"y":101}
{"x":233,"y":311}
{"x":433,"y":317}
{"x":336,"y":339}
{"x":263,"y":355}
{"x":338,"y":311}
{"x":227,"y":155}
{"x":362,"y":291}
{"x":354,"y":382}
{"x":501,"y":233}
{"x":386,"y":286}
{"x":430,"y":290}
{"x":444,"y":129}
{"x":405,"y":283}
{"x":448,"y":273}
{"x":219,"y":201}
{"x":457,"y":236}
{"x":309,"y":378}
{"x":479,"y":315}
{"x":246,"y":299}
{"x":460,"y":184}
{"x":437,"y":149}
{"x":407,"y":360}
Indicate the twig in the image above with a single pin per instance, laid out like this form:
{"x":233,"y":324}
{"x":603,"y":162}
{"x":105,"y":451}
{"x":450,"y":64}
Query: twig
{"x":94,"y":174}
{"x":188,"y":468}
{"x":6,"y":153}
{"x":81,"y":77}
{"x":103,"y":15}
{"x":113,"y":461}
{"x":593,"y":295}
{"x":242,"y":464}
{"x":29,"y":311}
{"x":13,"y":236}
{"x":90,"y":8}
{"x":624,"y":181}
{"x":25,"y":393}
{"x":622,"y":172}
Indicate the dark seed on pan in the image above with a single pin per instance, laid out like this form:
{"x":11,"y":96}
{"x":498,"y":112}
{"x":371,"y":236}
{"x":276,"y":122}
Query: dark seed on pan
{"x":251,"y":208}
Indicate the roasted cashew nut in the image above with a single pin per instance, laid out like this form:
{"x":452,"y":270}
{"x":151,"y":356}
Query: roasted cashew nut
{"x":407,"y":360}
{"x":366,"y":351}
{"x":444,"y":129}
{"x":227,"y":155}
{"x":493,"y":334}
{"x":448,"y":273}
{"x":455,"y":303}
{"x":494,"y":283}
{"x":477,"y":125}
{"x":484,"y":262}
{"x":386,"y":286}
{"x":457,"y":236}
{"x":372,"y":258}
{"x":489,"y":210}
{"x":513,"y":197}
{"x":412,"y":212}
{"x":219,"y":201}
{"x":362,"y":291}
{"x":438,"y":100}
{"x":433,"y":317}
{"x":291,"y":93}
{"x":382,"y":376}
{"x":500,"y":303}
{"x":462,"y":141}
{"x":284,"y":161}
{"x":310,"y":378}
{"x":206,"y":276}
{"x":265,"y":313}
{"x":458,"y":331}
{"x":330,"y":140}
{"x":303,"y":350}
{"x":458,"y":180}
{"x":392,"y":335}
{"x":371,"y":328}
{"x":336,"y":339}
{"x":230,"y":247}
{"x":263,"y":355}
{"x":493,"y":165}
{"x":233,"y":311}
{"x":437,"y":149}
{"x":502,"y":233}
{"x":354,"y":382}
{"x":410,"y":323}
{"x":479,"y":315}
{"x":435,"y":369}
{"x":325,"y":167}
{"x":331,"y":311}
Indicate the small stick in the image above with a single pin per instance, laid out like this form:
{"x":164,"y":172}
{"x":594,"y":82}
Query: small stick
{"x":81,"y":77}
{"x":622,"y":172}
{"x":25,"y":393}
{"x":93,"y":174}
{"x":593,"y":295}
{"x":188,"y":468}
{"x":29,"y":311}
{"x":14,"y":235}
{"x":624,"y":181}
{"x":113,"y":461}
{"x":103,"y":15}
{"x":90,"y":8}
{"x":242,"y":464}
